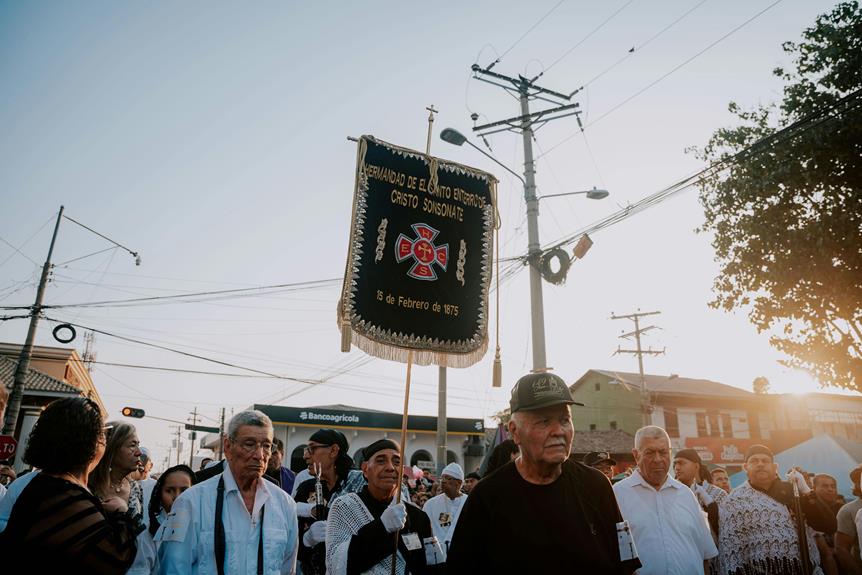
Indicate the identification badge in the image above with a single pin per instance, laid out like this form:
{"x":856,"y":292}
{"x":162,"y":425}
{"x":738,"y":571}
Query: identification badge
{"x":626,"y":542}
{"x":411,"y":541}
{"x":434,"y":554}
{"x":445,"y":519}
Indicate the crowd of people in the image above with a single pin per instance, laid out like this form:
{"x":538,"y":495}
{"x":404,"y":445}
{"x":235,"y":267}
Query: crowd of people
{"x":90,"y":504}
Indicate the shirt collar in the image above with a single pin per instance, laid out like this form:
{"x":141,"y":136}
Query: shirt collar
{"x":669,"y":482}
{"x":230,"y":484}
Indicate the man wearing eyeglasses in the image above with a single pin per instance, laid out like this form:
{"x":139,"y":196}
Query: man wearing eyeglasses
{"x":235,"y":522}
{"x":329,"y":462}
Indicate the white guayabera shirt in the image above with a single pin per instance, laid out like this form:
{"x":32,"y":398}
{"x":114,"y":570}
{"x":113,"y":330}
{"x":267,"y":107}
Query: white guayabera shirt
{"x":670,"y":530}
{"x":187,"y":538}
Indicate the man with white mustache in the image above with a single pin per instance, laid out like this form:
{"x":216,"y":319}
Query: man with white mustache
{"x":542,"y":512}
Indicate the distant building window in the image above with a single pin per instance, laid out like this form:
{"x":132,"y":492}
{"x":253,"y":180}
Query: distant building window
{"x":701,"y":425}
{"x":726,"y":425}
{"x":714,"y":430}
{"x":753,"y":425}
{"x":671,"y":421}
{"x":592,"y":427}
{"x":598,"y":386}
{"x":613,"y":424}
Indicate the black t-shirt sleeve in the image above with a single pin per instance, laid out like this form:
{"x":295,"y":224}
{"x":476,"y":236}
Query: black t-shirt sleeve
{"x":597,"y":488}
{"x":469,"y":543}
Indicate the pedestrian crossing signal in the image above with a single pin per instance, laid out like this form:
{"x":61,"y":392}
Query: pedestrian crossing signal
{"x":133,"y":412}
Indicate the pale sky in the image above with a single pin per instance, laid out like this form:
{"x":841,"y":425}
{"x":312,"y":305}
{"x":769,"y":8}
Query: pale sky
{"x":211,"y":138}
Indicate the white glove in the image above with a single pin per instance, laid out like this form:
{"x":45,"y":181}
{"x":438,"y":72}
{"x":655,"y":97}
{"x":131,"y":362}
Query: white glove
{"x":394,"y":517}
{"x":304,"y":509}
{"x":794,"y":476}
{"x":315,"y":534}
{"x":703,"y":497}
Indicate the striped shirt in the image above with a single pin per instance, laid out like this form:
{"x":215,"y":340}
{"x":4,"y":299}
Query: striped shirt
{"x":58,"y":526}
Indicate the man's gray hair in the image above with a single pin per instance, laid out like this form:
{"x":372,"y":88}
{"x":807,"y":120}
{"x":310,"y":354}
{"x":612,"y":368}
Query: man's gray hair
{"x":247,"y":417}
{"x":650,"y":432}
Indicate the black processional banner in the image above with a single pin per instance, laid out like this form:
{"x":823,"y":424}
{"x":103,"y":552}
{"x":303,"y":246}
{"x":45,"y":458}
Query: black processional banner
{"x":420,"y":257}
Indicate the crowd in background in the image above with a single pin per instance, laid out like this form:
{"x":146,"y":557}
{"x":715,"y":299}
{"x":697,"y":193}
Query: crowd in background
{"x":89,"y":496}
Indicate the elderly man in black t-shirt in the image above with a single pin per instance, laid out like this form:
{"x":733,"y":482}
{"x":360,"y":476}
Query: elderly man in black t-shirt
{"x":543,"y":512}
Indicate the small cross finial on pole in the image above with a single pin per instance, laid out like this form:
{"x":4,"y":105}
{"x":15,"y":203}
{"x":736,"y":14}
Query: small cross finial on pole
{"x":431,"y":112}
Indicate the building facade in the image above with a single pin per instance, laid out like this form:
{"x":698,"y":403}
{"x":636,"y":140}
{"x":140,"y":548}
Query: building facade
{"x":465,"y":439}
{"x":718,"y":420}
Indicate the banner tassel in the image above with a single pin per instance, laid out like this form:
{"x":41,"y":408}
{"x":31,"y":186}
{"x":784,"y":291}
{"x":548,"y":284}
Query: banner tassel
{"x":497,"y":372}
{"x":346,"y":336}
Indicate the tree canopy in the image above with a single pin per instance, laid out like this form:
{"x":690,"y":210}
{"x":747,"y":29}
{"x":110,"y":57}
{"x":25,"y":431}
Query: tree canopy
{"x":785,"y":208}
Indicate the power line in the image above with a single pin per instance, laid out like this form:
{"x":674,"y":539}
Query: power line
{"x":27,"y":241}
{"x":639,"y":47}
{"x":185,"y":353}
{"x":524,"y":35}
{"x":585,"y":38}
{"x":850,"y":102}
{"x":18,"y":252}
{"x":665,"y":75}
{"x":122,"y":302}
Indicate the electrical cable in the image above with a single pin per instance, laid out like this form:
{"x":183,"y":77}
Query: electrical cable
{"x":17,"y":251}
{"x":665,"y":75}
{"x":104,"y":303}
{"x":27,"y":241}
{"x":850,"y":102}
{"x":584,"y":39}
{"x":790,"y":131}
{"x":185,"y":353}
{"x":638,"y":48}
{"x":524,"y":35}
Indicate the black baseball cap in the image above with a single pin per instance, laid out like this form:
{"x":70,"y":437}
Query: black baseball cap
{"x":538,"y":390}
{"x":593,"y":458}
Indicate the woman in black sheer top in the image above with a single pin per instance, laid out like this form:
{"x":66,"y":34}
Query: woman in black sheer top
{"x":56,"y":523}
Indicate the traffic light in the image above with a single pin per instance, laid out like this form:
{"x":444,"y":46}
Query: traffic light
{"x":133,"y":412}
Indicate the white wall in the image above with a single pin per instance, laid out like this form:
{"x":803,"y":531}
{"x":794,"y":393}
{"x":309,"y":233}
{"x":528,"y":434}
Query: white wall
{"x":295,"y":436}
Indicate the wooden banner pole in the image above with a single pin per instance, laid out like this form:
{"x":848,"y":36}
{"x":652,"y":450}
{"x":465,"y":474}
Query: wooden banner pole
{"x":403,"y":449}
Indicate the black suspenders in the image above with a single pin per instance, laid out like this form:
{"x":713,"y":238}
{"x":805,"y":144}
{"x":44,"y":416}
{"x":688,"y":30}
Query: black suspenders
{"x":220,"y":545}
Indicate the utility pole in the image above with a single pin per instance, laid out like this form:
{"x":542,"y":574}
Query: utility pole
{"x":221,"y":437}
{"x":89,"y":355}
{"x":179,"y":441}
{"x":646,"y":403}
{"x":194,"y":436}
{"x":23,"y":368}
{"x":526,"y":90}
{"x":441,"y":370}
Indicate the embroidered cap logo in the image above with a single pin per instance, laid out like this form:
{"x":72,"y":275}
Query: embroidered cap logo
{"x":546,"y":387}
{"x":422,"y":252}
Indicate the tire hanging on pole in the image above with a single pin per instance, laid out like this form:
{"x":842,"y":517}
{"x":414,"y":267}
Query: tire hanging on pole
{"x":555,"y":277}
{"x":59,"y":328}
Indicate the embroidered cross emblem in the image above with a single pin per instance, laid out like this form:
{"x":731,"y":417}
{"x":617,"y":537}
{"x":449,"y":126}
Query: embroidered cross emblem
{"x":423,"y":252}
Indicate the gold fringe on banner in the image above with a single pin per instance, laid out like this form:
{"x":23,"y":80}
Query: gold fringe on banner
{"x":398,"y":346}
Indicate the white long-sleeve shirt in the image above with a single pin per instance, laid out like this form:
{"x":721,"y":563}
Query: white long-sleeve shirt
{"x":670,"y":530}
{"x":443,"y":513}
{"x":187,"y":541}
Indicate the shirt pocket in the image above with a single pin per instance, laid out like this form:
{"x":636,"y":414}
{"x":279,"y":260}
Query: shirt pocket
{"x":274,"y":548}
{"x":206,"y":552}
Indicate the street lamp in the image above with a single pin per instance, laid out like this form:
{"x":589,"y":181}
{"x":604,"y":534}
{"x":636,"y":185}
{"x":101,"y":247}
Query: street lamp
{"x":537,"y":314}
{"x":454,"y":137}
{"x":594,"y":194}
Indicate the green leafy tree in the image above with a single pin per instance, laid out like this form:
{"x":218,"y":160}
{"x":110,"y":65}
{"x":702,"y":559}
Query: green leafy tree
{"x":786,"y":212}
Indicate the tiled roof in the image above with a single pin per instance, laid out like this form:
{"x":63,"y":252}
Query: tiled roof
{"x":36,"y":380}
{"x":676,"y":385}
{"x":614,"y":441}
